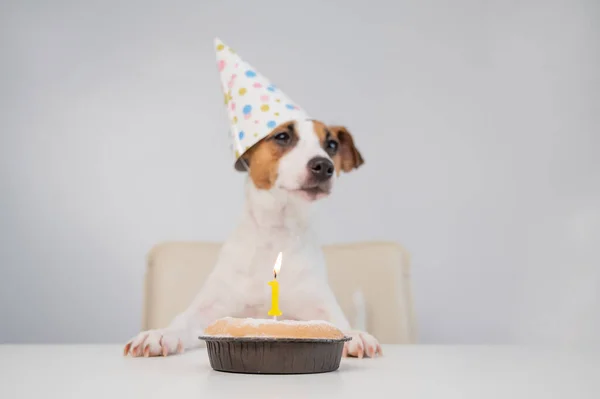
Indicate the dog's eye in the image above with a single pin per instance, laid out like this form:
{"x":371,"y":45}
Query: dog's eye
{"x":331,"y":147}
{"x":282,"y":138}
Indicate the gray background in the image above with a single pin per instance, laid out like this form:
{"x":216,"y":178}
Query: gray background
{"x":478,"y":122}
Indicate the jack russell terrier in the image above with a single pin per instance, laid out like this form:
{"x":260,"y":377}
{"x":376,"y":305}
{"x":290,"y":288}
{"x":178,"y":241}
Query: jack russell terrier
{"x":293,"y":166}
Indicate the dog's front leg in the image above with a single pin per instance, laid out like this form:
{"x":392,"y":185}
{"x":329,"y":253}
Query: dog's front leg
{"x":217,"y":299}
{"x":325,"y":306}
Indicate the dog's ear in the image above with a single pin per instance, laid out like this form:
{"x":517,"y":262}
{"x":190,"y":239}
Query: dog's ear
{"x":350,"y":156}
{"x":243,"y":163}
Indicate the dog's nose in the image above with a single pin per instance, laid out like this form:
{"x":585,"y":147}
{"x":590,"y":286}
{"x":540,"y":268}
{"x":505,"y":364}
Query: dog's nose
{"x":321,"y":168}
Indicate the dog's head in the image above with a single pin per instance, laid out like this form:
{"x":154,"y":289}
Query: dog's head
{"x":302,"y":157}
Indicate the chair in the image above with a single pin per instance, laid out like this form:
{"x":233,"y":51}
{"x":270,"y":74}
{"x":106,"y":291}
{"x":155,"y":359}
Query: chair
{"x":381,"y":270}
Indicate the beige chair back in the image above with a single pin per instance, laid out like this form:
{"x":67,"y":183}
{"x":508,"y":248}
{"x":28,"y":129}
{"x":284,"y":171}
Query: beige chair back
{"x":380,"y":270}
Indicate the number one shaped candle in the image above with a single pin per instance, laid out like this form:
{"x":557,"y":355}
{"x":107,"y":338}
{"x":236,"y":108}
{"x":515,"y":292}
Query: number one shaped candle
{"x":275,"y":289}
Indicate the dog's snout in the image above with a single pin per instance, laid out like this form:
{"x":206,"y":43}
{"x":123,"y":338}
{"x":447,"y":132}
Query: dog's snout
{"x":321,"y":168}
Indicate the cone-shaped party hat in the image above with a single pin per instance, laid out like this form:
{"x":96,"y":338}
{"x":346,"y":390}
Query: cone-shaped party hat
{"x":254,"y":105}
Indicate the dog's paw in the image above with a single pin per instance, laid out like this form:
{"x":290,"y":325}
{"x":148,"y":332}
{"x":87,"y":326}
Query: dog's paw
{"x":161,"y":342}
{"x":362,"y":344}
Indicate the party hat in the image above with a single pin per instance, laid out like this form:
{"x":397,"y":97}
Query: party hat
{"x":254,"y":105}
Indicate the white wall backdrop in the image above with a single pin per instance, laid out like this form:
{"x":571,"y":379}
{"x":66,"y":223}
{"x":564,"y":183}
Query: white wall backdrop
{"x":479,"y":123}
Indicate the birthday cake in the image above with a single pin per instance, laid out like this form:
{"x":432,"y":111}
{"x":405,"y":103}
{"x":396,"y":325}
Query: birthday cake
{"x":267,"y":346}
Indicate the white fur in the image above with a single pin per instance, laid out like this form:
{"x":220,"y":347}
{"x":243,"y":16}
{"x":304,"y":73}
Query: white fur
{"x":292,"y":167}
{"x":361,"y":313}
{"x":272,"y":221}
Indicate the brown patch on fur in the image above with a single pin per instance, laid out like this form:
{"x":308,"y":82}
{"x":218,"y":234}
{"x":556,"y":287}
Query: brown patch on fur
{"x":321,"y":131}
{"x":347,"y":157}
{"x":263,"y":158}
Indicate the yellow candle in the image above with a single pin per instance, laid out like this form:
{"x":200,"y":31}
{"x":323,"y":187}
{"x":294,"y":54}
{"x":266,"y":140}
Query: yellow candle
{"x":275,"y":289}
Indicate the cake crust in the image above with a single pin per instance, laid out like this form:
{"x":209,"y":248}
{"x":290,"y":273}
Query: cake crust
{"x":249,"y":327}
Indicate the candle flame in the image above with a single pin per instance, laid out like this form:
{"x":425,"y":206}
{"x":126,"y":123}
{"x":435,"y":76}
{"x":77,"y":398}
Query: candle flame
{"x":277,"y":266}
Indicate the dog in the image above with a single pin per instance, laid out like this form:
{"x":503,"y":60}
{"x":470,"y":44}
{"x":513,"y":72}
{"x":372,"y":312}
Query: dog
{"x":292,"y":167}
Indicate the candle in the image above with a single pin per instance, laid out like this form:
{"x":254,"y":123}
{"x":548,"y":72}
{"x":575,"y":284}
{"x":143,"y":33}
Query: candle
{"x":275,"y":289}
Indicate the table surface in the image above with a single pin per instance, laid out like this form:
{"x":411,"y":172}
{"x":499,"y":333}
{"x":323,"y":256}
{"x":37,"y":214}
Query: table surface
{"x":407,"y":371}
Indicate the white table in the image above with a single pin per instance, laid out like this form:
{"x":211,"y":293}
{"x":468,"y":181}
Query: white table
{"x":100,"y":371}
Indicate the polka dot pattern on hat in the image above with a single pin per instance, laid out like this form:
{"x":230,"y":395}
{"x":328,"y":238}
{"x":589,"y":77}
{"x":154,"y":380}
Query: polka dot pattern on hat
{"x":254,"y":105}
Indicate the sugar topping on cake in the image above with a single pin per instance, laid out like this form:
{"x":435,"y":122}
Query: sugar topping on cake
{"x":250,"y":327}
